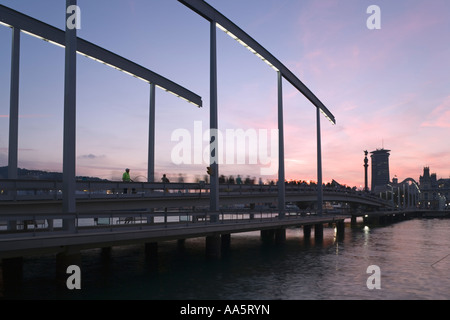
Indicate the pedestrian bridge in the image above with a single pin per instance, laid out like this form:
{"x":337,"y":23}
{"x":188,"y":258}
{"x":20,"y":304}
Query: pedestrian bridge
{"x":114,"y":213}
{"x":38,"y":196}
{"x":108,"y":214}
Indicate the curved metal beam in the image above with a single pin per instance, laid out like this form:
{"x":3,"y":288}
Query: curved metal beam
{"x":209,"y":13}
{"x":39,"y":29}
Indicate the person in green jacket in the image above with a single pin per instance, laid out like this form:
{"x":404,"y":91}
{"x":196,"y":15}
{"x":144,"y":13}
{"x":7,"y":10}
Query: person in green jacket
{"x":126,"y":178}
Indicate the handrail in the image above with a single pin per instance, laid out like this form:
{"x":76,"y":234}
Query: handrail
{"x":19,"y":189}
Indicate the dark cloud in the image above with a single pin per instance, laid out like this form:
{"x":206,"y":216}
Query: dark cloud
{"x":90,"y":156}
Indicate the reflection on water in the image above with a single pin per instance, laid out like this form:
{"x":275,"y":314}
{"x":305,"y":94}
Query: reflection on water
{"x":413,"y":256}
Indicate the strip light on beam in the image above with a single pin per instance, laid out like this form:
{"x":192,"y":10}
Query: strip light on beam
{"x":6,"y":25}
{"x":103,"y":62}
{"x":41,"y":38}
{"x":326,"y":116}
{"x":247,"y":46}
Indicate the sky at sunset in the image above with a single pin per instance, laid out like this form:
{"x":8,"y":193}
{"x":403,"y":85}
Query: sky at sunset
{"x":387,"y":87}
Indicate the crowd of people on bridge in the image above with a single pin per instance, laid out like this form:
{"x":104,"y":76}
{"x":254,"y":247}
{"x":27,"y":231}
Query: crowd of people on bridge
{"x":231,"y":179}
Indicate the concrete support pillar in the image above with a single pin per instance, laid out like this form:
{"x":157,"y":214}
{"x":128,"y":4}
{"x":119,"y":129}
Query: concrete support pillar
{"x":11,"y":276}
{"x":267,"y":235}
{"x":106,"y":253}
{"x":340,"y":229}
{"x":307,"y":231}
{"x":213,"y":246}
{"x":151,"y":250}
{"x":280,"y":235}
{"x":226,"y":241}
{"x":181,"y":242}
{"x":318,"y":232}
{"x":63,"y":261}
{"x":373,"y":220}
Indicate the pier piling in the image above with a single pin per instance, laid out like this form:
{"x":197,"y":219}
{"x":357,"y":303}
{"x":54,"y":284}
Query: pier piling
{"x":213,"y":246}
{"x":318,"y":232}
{"x":307,"y":231}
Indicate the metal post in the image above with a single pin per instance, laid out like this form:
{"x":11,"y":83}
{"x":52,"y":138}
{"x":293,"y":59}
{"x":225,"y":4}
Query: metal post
{"x":151,"y":137}
{"x":14,"y":115}
{"x":281,"y":177}
{"x":319,"y":166}
{"x":213,"y":123}
{"x":69,"y":153}
{"x":14,"y":106}
{"x":366,"y":165}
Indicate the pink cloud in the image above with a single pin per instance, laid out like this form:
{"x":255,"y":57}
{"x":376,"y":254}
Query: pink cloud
{"x":440,"y":116}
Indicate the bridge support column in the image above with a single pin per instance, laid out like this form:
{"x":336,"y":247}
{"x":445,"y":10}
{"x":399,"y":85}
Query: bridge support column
{"x":318,"y":232}
{"x":14,"y":107}
{"x":181,"y":242}
{"x":213,"y":246}
{"x":151,"y":250}
{"x":69,"y":129}
{"x":281,"y":173}
{"x":280,"y":235}
{"x":63,"y":261}
{"x":307,"y":231}
{"x":374,"y":220}
{"x":340,"y":229}
{"x":106,"y":253}
{"x":365,"y":219}
{"x":11,"y":275}
{"x":267,"y":235}
{"x":226,"y":241}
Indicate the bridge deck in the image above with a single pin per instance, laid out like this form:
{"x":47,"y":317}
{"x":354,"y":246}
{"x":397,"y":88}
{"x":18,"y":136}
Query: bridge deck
{"x":114,"y":213}
{"x":42,"y":240}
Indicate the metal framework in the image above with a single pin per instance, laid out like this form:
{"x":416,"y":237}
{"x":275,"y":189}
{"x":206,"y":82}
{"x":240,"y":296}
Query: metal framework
{"x":41,"y":30}
{"x":68,"y":39}
{"x":218,"y":20}
{"x":223,"y":23}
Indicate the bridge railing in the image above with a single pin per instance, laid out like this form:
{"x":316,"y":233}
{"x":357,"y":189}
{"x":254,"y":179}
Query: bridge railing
{"x":16,"y":190}
{"x":36,"y":224}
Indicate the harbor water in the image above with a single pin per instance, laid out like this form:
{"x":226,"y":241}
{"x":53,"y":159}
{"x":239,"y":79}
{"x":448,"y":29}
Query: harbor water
{"x":412,"y":257}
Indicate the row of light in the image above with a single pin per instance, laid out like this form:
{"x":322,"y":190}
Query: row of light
{"x":326,"y":116}
{"x":247,"y":46}
{"x":5,"y":24}
{"x":103,"y":62}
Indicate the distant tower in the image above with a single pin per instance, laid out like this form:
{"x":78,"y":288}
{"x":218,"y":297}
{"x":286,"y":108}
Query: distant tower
{"x":380,"y":168}
{"x":366,"y":161}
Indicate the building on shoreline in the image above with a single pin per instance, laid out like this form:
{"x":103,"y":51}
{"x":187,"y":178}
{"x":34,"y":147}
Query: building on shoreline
{"x":434,"y":193}
{"x":380,"y":170}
